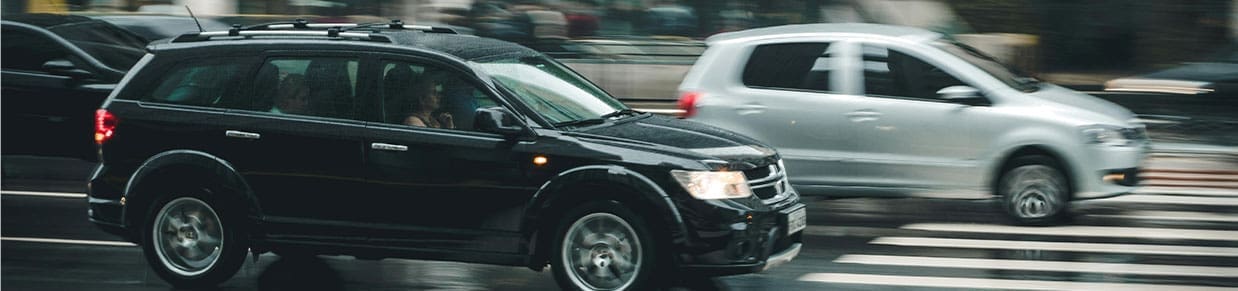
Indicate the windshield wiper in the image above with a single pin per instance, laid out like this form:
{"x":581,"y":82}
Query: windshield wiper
{"x":622,"y":112}
{"x":581,"y":122}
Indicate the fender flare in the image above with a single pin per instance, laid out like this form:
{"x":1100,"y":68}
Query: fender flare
{"x":222,"y":173}
{"x":554,"y":190}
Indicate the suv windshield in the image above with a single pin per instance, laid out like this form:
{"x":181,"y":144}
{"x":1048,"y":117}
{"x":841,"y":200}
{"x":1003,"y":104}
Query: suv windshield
{"x":1012,"y":77}
{"x":556,"y":93}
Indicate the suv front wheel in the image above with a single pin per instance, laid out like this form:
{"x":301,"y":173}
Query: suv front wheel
{"x":604,"y":246}
{"x":191,"y":244}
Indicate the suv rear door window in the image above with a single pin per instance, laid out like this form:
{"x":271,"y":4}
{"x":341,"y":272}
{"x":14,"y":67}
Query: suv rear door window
{"x":314,"y":86}
{"x":801,"y":66}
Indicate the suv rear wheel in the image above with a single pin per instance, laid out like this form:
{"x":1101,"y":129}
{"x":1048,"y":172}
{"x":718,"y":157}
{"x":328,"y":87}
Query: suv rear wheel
{"x":190,"y":243}
{"x":604,"y":246}
{"x":1034,"y":191}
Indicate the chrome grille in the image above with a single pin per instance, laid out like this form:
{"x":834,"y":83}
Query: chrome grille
{"x":768,"y":183}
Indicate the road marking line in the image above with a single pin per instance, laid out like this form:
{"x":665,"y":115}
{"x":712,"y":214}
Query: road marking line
{"x":1174,"y":199}
{"x":1188,"y":191}
{"x":980,"y":283}
{"x":1082,"y":231}
{"x":44,"y":194}
{"x":1050,"y":266}
{"x":1058,"y":246}
{"x":1172,"y":215}
{"x":70,"y":241}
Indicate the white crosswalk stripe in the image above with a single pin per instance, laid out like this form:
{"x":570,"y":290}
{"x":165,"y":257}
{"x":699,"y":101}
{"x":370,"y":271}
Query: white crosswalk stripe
{"x":1198,"y":247}
{"x":948,"y":282}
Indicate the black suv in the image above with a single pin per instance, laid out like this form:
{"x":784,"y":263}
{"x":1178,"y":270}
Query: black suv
{"x":392,"y":140}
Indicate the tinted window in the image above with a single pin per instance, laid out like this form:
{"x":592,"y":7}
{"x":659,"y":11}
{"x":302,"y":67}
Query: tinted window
{"x":889,"y":72}
{"x":115,"y":47}
{"x":211,"y":83}
{"x":427,"y":96}
{"x":316,"y":86}
{"x":25,"y":50}
{"x":804,"y":66}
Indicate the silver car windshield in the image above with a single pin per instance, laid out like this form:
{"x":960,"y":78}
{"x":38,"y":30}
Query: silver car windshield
{"x":554,"y":92}
{"x":1012,"y":77}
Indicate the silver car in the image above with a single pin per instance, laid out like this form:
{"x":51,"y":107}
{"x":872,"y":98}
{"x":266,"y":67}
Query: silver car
{"x":878,"y":110}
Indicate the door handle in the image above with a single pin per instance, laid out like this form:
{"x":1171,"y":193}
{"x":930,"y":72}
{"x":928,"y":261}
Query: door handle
{"x":750,"y":108}
{"x":863,"y":115}
{"x":242,"y":134}
{"x":389,"y":147}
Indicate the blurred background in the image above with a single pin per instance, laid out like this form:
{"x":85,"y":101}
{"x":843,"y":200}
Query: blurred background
{"x":1171,"y":61}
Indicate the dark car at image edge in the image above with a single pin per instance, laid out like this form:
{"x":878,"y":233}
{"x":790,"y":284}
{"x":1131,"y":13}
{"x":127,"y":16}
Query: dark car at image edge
{"x":539,"y":166}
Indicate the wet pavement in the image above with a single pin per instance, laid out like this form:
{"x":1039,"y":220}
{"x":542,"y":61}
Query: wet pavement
{"x":1176,"y":236}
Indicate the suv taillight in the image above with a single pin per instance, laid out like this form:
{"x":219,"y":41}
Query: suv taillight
{"x":687,"y":103}
{"x":105,"y":125}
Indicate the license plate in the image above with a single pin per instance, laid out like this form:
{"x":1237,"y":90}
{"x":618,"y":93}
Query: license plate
{"x":796,"y":221}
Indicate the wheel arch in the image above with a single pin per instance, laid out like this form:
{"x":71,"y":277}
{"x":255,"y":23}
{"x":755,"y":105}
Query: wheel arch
{"x":1008,"y":159}
{"x":179,"y":168}
{"x":624,"y":185}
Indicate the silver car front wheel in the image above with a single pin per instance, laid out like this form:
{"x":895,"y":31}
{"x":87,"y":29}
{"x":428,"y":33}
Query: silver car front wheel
{"x":1034,"y":191}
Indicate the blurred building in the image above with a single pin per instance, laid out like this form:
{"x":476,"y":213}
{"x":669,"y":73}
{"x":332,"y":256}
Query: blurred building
{"x":1066,"y":35}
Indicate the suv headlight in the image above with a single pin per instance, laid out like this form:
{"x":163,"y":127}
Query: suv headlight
{"x":1106,"y":135}
{"x":708,"y":185}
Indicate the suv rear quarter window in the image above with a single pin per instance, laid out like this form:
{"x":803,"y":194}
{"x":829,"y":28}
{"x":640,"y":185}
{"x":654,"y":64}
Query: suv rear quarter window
{"x":800,"y":66}
{"x":208,"y":82}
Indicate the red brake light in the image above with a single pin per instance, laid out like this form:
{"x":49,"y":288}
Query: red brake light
{"x":105,"y":124}
{"x":687,"y":103}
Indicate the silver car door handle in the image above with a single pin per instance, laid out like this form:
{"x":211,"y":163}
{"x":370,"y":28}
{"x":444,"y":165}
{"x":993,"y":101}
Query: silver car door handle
{"x":863,"y":116}
{"x":389,"y":147}
{"x":242,"y":134}
{"x":750,"y":108}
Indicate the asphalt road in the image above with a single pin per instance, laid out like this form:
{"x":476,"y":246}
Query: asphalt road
{"x":1182,"y":235}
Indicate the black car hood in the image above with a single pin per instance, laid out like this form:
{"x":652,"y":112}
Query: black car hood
{"x":699,"y":139}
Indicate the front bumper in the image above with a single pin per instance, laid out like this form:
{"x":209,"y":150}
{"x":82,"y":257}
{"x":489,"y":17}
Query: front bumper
{"x":1107,"y":171}
{"x":741,"y":245}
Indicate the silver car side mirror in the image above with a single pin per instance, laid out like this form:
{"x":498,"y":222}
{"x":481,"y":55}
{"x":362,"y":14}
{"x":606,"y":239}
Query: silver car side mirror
{"x":963,"y":95}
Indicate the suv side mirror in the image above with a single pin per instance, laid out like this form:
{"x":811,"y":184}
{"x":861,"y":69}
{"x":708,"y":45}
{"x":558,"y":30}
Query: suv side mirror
{"x":496,"y":120}
{"x":66,"y":68}
{"x":963,"y":95}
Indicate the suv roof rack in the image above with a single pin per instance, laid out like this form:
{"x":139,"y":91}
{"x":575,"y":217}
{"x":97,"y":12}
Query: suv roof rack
{"x":333,"y":32}
{"x":302,"y":27}
{"x":304,"y":24}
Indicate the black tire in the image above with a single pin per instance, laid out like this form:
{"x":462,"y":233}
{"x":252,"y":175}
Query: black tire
{"x":202,"y":243}
{"x":1034,"y":191}
{"x":632,"y":266}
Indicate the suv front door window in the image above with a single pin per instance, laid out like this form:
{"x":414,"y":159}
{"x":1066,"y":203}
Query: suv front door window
{"x":422,"y":160}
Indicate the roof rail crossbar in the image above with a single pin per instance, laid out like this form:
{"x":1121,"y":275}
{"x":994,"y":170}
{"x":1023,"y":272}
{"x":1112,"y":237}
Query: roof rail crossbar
{"x":399,"y":24}
{"x":332,"y":33}
{"x":298,"y":23}
{"x":310,"y":25}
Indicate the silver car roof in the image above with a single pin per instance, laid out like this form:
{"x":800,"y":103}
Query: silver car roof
{"x":905,"y":32}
